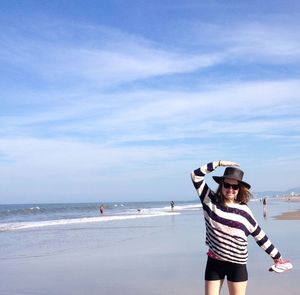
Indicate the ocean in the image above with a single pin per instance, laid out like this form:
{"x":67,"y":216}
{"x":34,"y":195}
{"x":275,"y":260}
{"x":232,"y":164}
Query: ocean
{"x":25,"y":216}
{"x":132,"y":248}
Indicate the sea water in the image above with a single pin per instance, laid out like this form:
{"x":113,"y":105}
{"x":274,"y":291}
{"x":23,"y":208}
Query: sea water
{"x":38,"y":229}
{"x":16,"y":217}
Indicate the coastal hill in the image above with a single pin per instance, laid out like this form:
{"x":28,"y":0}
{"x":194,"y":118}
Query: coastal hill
{"x":293,"y":191}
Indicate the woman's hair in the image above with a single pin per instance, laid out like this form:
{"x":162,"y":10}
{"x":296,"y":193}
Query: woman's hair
{"x":243,"y":197}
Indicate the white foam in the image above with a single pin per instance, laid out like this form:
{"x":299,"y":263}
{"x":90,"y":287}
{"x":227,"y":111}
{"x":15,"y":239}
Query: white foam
{"x":177,"y":208}
{"x":189,"y":207}
{"x":35,"y":208}
{"x":38,"y":224}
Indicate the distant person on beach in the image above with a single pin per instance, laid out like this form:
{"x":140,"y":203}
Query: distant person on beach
{"x":101,"y":209}
{"x":265,"y":201}
{"x":229,"y":221}
{"x":265,"y":207}
{"x":172,"y":204}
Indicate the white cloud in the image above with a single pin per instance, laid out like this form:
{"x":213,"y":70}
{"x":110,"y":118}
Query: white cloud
{"x":117,"y":58}
{"x":152,"y":114}
{"x":267,"y":40}
{"x":270,"y":42}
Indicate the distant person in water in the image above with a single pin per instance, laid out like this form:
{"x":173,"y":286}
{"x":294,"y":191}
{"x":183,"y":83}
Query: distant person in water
{"x":101,"y":209}
{"x":172,"y":204}
{"x":229,"y":221}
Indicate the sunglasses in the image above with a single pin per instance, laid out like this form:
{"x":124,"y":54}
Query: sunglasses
{"x":233,"y":186}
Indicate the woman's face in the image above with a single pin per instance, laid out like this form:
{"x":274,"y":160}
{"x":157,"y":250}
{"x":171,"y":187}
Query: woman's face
{"x":230,"y":190}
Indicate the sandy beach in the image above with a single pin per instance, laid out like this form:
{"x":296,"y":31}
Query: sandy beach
{"x":294,"y":215}
{"x":289,"y":216}
{"x":152,"y":256}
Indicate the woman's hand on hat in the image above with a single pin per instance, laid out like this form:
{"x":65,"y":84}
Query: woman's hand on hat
{"x":228,"y":163}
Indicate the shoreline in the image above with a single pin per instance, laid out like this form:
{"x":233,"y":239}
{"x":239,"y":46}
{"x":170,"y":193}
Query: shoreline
{"x":290,"y":215}
{"x":294,"y":215}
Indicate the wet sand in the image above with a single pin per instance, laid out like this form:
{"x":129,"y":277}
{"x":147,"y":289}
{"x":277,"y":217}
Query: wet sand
{"x":289,"y":216}
{"x":294,"y":215}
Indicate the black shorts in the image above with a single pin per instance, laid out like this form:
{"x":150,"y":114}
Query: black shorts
{"x":218,"y":270}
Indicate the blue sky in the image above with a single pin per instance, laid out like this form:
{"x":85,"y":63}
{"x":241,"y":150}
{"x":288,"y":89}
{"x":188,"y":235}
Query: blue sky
{"x":120,"y":100}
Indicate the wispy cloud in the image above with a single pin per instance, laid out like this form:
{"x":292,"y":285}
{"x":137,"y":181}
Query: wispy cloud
{"x":269,"y":40}
{"x":156,"y":113}
{"x":114,"y":58}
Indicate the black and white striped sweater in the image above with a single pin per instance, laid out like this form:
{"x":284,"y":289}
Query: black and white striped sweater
{"x":227,"y":227}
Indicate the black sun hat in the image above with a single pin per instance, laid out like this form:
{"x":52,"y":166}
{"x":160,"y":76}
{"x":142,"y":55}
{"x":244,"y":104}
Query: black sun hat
{"x":232,"y":173}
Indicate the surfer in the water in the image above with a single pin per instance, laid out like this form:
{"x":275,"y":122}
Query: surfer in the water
{"x":228,"y":222}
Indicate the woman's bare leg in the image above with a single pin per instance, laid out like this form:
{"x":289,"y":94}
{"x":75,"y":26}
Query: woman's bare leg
{"x":237,"y":288}
{"x":213,"y":287}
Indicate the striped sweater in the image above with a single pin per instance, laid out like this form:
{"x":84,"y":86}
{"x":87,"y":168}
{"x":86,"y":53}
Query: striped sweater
{"x":227,"y":227}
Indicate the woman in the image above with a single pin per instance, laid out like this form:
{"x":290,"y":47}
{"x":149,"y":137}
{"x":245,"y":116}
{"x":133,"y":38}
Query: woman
{"x":228,"y":222}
